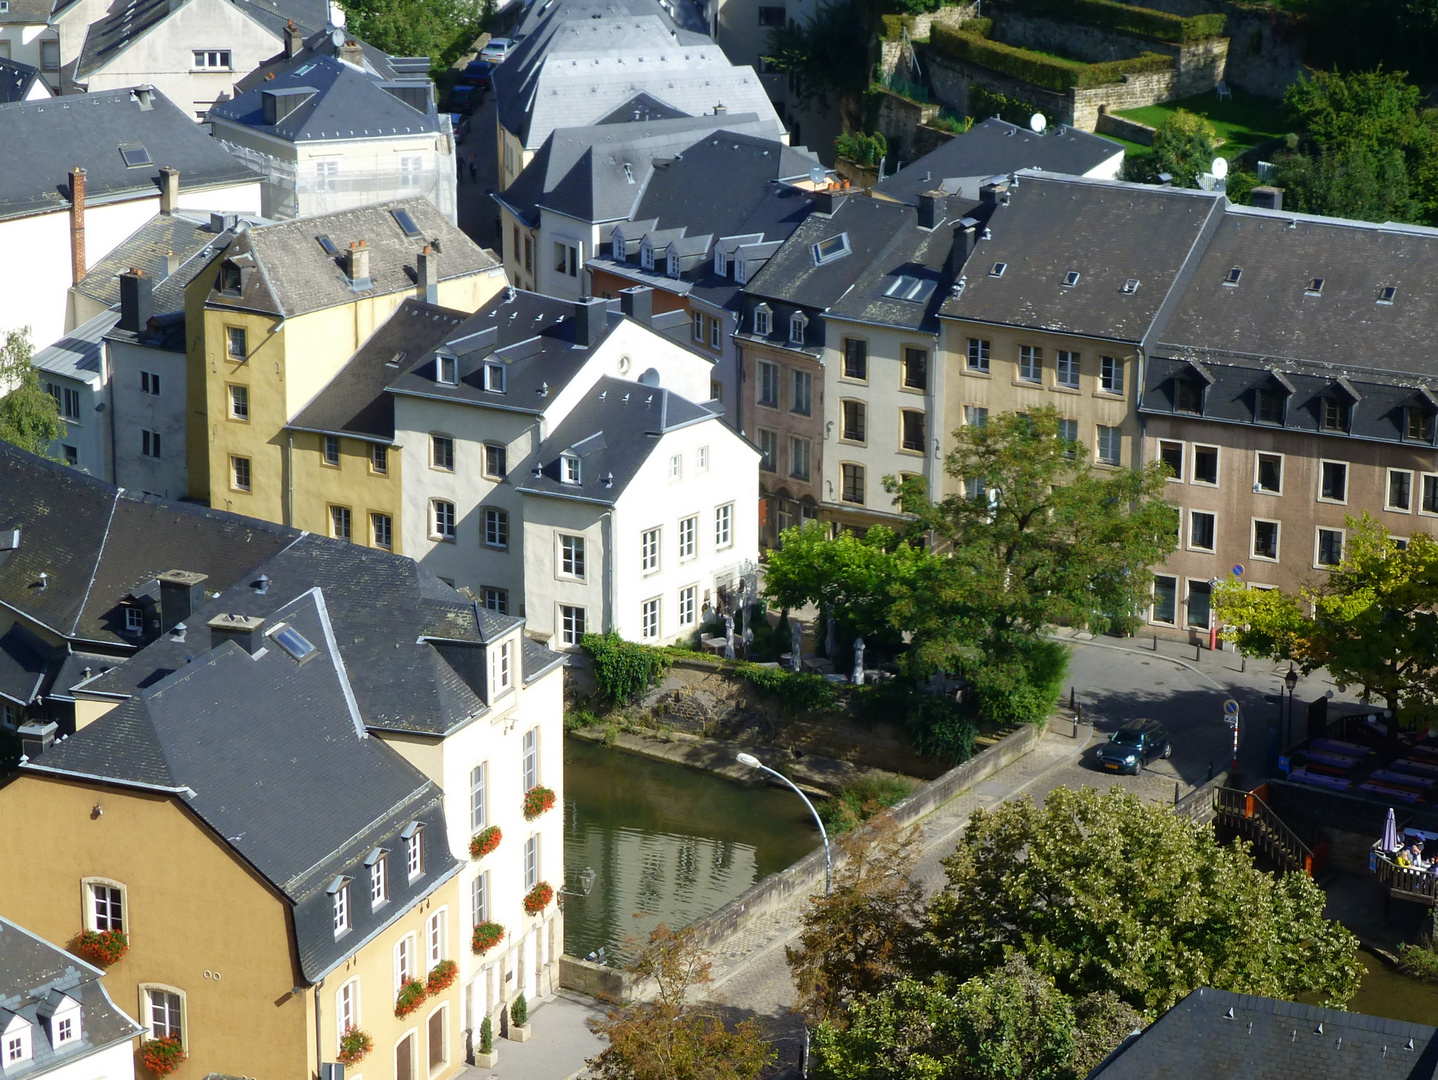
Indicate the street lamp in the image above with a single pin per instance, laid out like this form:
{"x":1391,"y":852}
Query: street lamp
{"x":1290,"y":680}
{"x":754,"y":763}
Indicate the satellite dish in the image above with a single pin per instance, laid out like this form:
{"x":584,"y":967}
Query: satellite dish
{"x":1219,"y":168}
{"x":1038,"y":123}
{"x":816,"y":174}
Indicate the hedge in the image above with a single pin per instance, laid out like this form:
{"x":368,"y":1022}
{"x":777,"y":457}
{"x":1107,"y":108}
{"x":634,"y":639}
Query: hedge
{"x":1134,"y":20}
{"x":894,"y":25}
{"x":1050,"y":72}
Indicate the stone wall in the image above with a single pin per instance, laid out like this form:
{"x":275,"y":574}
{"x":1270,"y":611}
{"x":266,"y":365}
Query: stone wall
{"x":897,"y":120}
{"x":862,"y":177}
{"x":1136,"y":91}
{"x":1076,"y":40}
{"x":951,"y":78}
{"x":1117,"y":126}
{"x":928,"y":139}
{"x":1265,"y":53}
{"x":1349,"y":824}
{"x":891,"y":49}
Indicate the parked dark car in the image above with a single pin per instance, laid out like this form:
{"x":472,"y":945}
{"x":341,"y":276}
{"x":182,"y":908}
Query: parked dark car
{"x":462,"y":98}
{"x":1136,"y":744}
{"x":478,"y":73}
{"x":460,"y":123}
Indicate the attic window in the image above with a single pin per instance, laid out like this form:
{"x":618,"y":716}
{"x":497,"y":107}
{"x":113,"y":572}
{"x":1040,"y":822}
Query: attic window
{"x":616,"y":247}
{"x":835,"y":247}
{"x":229,"y":277}
{"x":135,"y":156}
{"x":908,"y":287}
{"x":328,"y":245}
{"x":646,"y":255}
{"x":446,"y":370}
{"x":1315,"y":287}
{"x":1131,"y":285}
{"x":1233,"y":275}
{"x":569,"y":469}
{"x":494,"y":378}
{"x":405,"y":222}
{"x":293,"y":642}
{"x":719,"y":260}
{"x":1387,"y":293}
{"x":997,"y":270}
{"x":797,"y":322}
{"x":671,"y":264}
{"x":1071,"y":279}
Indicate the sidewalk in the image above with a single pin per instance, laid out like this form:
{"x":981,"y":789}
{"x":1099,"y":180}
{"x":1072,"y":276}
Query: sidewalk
{"x":560,"y":1045}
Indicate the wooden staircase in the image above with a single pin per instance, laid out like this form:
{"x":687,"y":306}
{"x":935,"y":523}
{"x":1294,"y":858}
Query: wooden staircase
{"x":1247,"y":814}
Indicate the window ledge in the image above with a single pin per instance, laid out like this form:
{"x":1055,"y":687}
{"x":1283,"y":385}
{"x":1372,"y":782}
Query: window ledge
{"x":1059,"y":388}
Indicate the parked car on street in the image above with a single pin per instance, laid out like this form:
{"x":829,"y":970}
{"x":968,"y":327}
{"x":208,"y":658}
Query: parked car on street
{"x":462,"y":97}
{"x":1136,"y":744}
{"x":496,"y":50}
{"x":460,"y":123}
{"x":478,"y":72}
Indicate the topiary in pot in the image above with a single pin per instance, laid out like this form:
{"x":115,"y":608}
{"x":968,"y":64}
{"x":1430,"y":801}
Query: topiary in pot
{"x":519,"y":1011}
{"x":486,"y":1036}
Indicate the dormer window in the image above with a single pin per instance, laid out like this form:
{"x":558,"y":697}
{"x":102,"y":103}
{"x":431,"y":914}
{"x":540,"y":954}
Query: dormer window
{"x":1071,"y":279}
{"x":1187,"y":397}
{"x":1417,"y":425}
{"x":1315,"y":287}
{"x":719,"y":260}
{"x":414,"y":849}
{"x":378,"y":863}
{"x":741,"y":275}
{"x":569,"y":468}
{"x":446,"y":371}
{"x":15,"y":1042}
{"x":1335,"y":414}
{"x":616,"y":246}
{"x":671,"y":264}
{"x":64,"y":1023}
{"x":229,"y":277}
{"x":797,"y":322}
{"x":134,"y":620}
{"x":494,"y":378}
{"x":646,"y":255}
{"x":339,"y":891}
{"x":763,"y":325}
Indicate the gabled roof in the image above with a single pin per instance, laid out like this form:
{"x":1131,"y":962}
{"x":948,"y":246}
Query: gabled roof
{"x":17,"y":79}
{"x":46,"y":139}
{"x":995,"y":146}
{"x":286,"y":272}
{"x":26,"y":663}
{"x":907,"y":283}
{"x":327,"y":42}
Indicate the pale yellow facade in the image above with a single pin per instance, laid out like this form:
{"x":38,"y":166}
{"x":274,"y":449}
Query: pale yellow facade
{"x":354,"y":490}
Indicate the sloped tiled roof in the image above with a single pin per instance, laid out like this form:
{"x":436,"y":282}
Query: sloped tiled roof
{"x":324,"y":42}
{"x":16,"y":79}
{"x":182,"y":234}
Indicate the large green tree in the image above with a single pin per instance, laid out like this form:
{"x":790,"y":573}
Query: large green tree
{"x":830,"y":55}
{"x":438,"y":29}
{"x":29,"y":417}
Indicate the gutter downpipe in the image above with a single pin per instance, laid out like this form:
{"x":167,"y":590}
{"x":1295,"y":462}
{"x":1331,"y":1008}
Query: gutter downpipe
{"x":609,"y":570}
{"x":290,"y":481}
{"x":319,"y":1049}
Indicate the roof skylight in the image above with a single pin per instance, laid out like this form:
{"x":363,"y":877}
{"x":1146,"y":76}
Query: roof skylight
{"x":1131,"y":285}
{"x":908,"y":287}
{"x":405,"y":222}
{"x":1071,"y":279}
{"x":834,"y":247}
{"x":1387,"y":293}
{"x":135,"y":156}
{"x":328,"y":245}
{"x":1315,"y":287}
{"x":293,"y":642}
{"x":997,"y":270}
{"x":1234,"y":274}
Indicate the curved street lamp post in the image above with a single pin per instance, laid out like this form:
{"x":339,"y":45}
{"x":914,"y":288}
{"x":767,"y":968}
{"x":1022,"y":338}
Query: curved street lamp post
{"x":754,"y":763}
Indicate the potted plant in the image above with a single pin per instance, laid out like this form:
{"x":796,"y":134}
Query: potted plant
{"x":441,"y":977}
{"x":486,"y":1056}
{"x":486,"y":936}
{"x":102,"y":947}
{"x":162,"y":1056}
{"x":354,"y":1045}
{"x":536,"y":801}
{"x":484,"y":841}
{"x":411,"y":997}
{"x":519,"y":1019}
{"x":538,"y":898}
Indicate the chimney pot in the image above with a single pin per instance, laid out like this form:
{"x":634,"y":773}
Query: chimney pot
{"x":169,"y":189}
{"x":135,"y":306}
{"x":294,"y":40}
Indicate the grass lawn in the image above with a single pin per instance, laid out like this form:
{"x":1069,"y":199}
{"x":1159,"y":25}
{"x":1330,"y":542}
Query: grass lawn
{"x":1242,"y":122}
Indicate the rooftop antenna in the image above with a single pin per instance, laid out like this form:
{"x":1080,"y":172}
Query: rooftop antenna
{"x":1037,"y":123}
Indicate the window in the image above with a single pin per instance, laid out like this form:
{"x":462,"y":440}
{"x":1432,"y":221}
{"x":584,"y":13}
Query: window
{"x":852,"y":415}
{"x":67,"y":400}
{"x":1400,"y":490}
{"x":803,"y":400}
{"x":916,"y":368}
{"x":856,"y":359}
{"x":404,"y":961}
{"x":724,"y":525}
{"x":1165,"y":599}
{"x":410,"y":167}
{"x":1200,"y":530}
{"x":496,"y":461}
{"x":1268,"y":406}
{"x":1110,"y":374}
{"x":1068,"y":434}
{"x":976,"y":416}
{"x":496,"y":600}
{"x":1205,"y":465}
{"x":853,"y":483}
{"x":571,"y":624}
{"x":1171,"y":454}
{"x":761,"y":321}
{"x":529,"y":255}
{"x":49,"y":56}
{"x":437,"y":1031}
{"x":72,"y":453}
{"x":165,"y":1009}
{"x":716,"y":334}
{"x":446,"y":370}
{"x":1110,"y":445}
{"x":530,"y":759}
{"x":340,"y":901}
{"x":978,"y":354}
{"x":347,"y":999}
{"x":441,"y":519}
{"x":1066,"y":369}
{"x":107,"y":904}
{"x":150,"y":448}
{"x":134,"y":620}
{"x":382,"y":531}
{"x":975,"y":488}
{"x":1335,"y":414}
{"x":1315,"y":287}
{"x":768,"y":449}
{"x":18,"y":1043}
{"x":671,"y":263}
{"x":479,"y":899}
{"x":531,"y":862}
{"x":688,"y":605}
{"x":1330,"y":547}
{"x":1429,"y":505}
{"x":701,"y":459}
{"x":404,"y":1059}
{"x":912,"y":423}
{"x":688,"y":535}
{"x":67,"y":1029}
{"x":1265,"y":539}
{"x":1333,"y":485}
{"x":239,"y":470}
{"x":494,"y":378}
{"x":834,"y":247}
{"x":698,"y":327}
{"x":1187,"y":397}
{"x":676,"y":467}
{"x":379,"y":881}
{"x":649,"y":619}
{"x":240,"y":404}
{"x":1200,"y":604}
{"x":771,"y":16}
{"x":434,"y":937}
{"x":212,"y":58}
{"x":649,"y":550}
{"x":332,"y":450}
{"x":768,"y":383}
{"x":414,"y":853}
{"x":503,"y":665}
{"x":571,"y":555}
{"x":441,"y":452}
{"x":236,"y":343}
{"x":566,"y":259}
{"x":340,"y":523}
{"x":1268,"y":479}
{"x":496,"y":528}
{"x":799,"y":457}
{"x":149,"y":383}
{"x":646,"y":252}
{"x":1031,"y":363}
{"x":1417,"y":425}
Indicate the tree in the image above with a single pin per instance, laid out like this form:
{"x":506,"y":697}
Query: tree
{"x":830,"y":54}
{"x":1105,"y":893}
{"x":669,"y":1038}
{"x":439,"y":29}
{"x":29,"y":417}
{"x":1374,"y":620}
{"x":1184,"y":147}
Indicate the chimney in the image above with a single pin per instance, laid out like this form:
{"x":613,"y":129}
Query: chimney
{"x":638,"y":304}
{"x":932,"y":205}
{"x":357,"y":265}
{"x":720,"y":109}
{"x":427,"y":267}
{"x":171,"y":263}
{"x":294,"y":40}
{"x":77,"y":225}
{"x":591,"y":316}
{"x":965,"y":240}
{"x":134,"y":300}
{"x":169,"y":189}
{"x":828,"y":201}
{"x":182,"y":593}
{"x":1270,"y":198}
{"x":36,"y":736}
{"x":993,"y":191}
{"x":351,"y":53}
{"x":243,"y":630}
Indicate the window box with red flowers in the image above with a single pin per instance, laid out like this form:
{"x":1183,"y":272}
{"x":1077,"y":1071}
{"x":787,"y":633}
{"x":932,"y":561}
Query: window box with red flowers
{"x":354,"y":1045}
{"x":162,"y":1056}
{"x":103,"y":947}
{"x":411,"y":997}
{"x":486,"y":936}
{"x":536,"y":801}
{"x":441,"y":977}
{"x":484,"y":841}
{"x":538,"y":898}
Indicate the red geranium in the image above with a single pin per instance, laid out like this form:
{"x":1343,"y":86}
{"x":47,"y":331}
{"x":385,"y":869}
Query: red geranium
{"x":538,"y":898}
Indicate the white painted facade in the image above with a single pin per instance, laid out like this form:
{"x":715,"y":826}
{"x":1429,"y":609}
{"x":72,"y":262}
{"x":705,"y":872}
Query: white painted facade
{"x":115,"y":1062}
{"x":135,"y":409}
{"x":83,"y":401}
{"x":559,"y":235}
{"x":30,"y":43}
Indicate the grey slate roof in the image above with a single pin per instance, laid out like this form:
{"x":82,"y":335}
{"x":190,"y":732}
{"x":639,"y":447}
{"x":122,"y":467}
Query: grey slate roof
{"x":538,"y":13}
{"x":77,"y":354}
{"x":25,"y":663}
{"x":1108,"y":232}
{"x":27,"y":12}
{"x":324,"y":42}
{"x":342,"y":103}
{"x":88,"y":130}
{"x":182,"y":234}
{"x":1216,"y":1034}
{"x":915,"y":254}
{"x":16,"y":78}
{"x":995,"y":146}
{"x":285,"y":272}
{"x":33,"y":976}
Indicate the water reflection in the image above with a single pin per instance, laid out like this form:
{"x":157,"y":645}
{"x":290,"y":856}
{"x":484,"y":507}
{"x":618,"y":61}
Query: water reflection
{"x":668,"y":844}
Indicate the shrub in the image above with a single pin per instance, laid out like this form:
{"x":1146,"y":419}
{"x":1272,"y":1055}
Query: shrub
{"x":354,"y":1045}
{"x":162,"y":1056}
{"x":895,"y":25}
{"x":861,"y":800}
{"x":537,"y":800}
{"x":1022,"y":689}
{"x":936,"y":726}
{"x":945,"y":122}
{"x":519,"y":1011}
{"x":860,"y":148}
{"x":796,"y":691}
{"x":441,"y":977}
{"x":538,"y":898}
{"x":1050,"y":72}
{"x":484,"y":841}
{"x":1132,"y":19}
{"x":1113,"y":71}
{"x":984,"y":103}
{"x":982,"y":27}
{"x":1420,"y":960}
{"x":579,"y":717}
{"x":411,"y":996}
{"x":623,"y":669}
{"x":486,"y":936}
{"x":486,"y":1036}
{"x":103,"y":946}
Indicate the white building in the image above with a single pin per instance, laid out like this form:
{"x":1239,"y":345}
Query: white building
{"x":26,"y":37}
{"x":74,"y":372}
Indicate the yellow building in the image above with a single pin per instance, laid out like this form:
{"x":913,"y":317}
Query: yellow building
{"x":279,"y":312}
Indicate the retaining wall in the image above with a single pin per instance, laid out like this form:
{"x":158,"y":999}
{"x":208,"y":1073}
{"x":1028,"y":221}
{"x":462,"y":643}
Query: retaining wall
{"x":898,"y":121}
{"x":928,"y":139}
{"x":1117,"y":126}
{"x":1136,"y":91}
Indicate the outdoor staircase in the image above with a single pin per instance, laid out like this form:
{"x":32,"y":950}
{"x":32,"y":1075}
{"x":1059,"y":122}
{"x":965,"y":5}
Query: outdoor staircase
{"x":1247,"y":814}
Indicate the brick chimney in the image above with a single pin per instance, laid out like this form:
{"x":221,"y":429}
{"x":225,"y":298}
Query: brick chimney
{"x":351,"y":53}
{"x":294,"y":40}
{"x":357,"y":265}
{"x":135,"y":308}
{"x":169,"y":189}
{"x":77,"y":225}
{"x":427,"y":267}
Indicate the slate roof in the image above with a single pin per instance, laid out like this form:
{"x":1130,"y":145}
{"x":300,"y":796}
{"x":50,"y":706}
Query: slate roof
{"x":77,"y":354}
{"x":914,"y":255}
{"x":296,"y":749}
{"x":354,"y":402}
{"x":1108,"y":232}
{"x":183,"y":234}
{"x":995,"y":146}
{"x":285,"y":271}
{"x":25,"y":663}
{"x":16,"y":78}
{"x":539,"y":12}
{"x":325,"y":42}
{"x":33,"y":976}
{"x":342,"y":103}
{"x":88,"y":130}
{"x":27,"y":12}
{"x":1214,"y":1033}
{"x":95,"y":543}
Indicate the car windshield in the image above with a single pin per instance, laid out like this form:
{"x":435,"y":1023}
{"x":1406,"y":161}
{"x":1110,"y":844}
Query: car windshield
{"x":1128,"y":738}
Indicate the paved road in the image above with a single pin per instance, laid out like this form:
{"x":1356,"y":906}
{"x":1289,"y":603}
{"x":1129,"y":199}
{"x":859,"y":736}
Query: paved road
{"x":478,"y":212}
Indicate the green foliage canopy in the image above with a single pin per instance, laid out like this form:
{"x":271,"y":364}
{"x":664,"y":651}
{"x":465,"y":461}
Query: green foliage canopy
{"x":830,"y":54}
{"x":29,"y":417}
{"x":439,"y":29}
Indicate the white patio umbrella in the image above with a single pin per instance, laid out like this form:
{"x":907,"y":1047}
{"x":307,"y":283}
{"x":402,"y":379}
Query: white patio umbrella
{"x":1390,"y":833}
